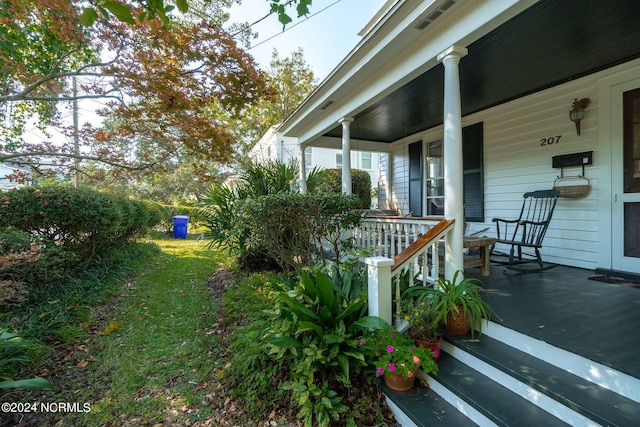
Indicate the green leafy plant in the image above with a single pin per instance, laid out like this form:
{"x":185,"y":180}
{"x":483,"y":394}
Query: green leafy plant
{"x":315,"y":328}
{"x":448,"y":298}
{"x":331,"y":182}
{"x":12,"y":348}
{"x":294,"y":227}
{"x":397,"y":354}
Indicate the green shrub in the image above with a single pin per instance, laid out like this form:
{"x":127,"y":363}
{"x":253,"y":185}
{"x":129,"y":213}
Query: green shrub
{"x":61,"y":227}
{"x":251,"y":373}
{"x":222,"y":209}
{"x":292,"y":226}
{"x":315,"y":329}
{"x":331,"y":182}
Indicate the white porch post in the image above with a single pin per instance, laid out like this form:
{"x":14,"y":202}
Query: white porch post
{"x":303,"y":170}
{"x":379,"y":290}
{"x":453,"y":177}
{"x":346,"y":154}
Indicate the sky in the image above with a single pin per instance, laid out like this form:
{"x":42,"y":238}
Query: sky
{"x":326,"y":35}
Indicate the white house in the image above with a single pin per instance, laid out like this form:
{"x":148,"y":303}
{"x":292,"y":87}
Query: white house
{"x":473,"y":103}
{"x":474,"y":97}
{"x":274,"y":146}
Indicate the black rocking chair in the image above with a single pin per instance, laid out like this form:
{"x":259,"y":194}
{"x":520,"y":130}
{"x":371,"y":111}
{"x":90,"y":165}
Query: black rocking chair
{"x":529,"y":229}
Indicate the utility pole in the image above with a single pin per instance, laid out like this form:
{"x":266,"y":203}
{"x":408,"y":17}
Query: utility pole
{"x":76,"y":139}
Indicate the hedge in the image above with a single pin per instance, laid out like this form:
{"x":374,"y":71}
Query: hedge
{"x":331,"y":182}
{"x":60,"y":227}
{"x":291,"y":226}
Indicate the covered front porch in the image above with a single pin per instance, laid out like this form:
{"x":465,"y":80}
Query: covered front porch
{"x":565,"y":346}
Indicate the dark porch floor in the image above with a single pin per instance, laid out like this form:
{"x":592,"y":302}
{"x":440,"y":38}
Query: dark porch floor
{"x":563,"y":307}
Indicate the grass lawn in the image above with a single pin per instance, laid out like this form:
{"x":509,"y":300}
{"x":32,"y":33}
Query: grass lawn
{"x":150,"y":356}
{"x":156,"y":354}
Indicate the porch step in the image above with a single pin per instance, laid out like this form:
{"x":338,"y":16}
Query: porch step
{"x":496,"y":384}
{"x":555,"y":388}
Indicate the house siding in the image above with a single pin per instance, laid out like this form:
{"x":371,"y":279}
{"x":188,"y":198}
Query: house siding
{"x":516,"y":161}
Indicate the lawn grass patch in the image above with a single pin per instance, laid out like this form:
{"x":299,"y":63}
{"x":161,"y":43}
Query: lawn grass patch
{"x":160,"y":356}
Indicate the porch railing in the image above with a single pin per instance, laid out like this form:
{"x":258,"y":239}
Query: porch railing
{"x":419,"y":259}
{"x":389,"y":236}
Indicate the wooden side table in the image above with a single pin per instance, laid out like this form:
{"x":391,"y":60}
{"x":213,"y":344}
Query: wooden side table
{"x":484,"y":244}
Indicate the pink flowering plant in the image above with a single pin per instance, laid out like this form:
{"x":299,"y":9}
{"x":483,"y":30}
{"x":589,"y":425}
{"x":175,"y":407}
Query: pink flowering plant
{"x":396,"y":353}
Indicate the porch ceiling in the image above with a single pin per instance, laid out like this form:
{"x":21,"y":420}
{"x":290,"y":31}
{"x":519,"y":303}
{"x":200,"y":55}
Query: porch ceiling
{"x":548,"y":44}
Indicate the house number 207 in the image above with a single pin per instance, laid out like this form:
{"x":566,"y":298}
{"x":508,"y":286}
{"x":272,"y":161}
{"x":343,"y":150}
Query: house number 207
{"x":550,"y":140}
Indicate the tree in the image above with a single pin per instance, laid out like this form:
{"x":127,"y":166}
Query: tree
{"x":290,"y":79}
{"x":158,"y":80}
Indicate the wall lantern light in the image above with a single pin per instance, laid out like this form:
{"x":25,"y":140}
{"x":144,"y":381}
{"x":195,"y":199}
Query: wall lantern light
{"x":577,"y":112}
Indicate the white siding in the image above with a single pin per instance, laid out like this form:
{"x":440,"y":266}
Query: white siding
{"x":515,"y":162}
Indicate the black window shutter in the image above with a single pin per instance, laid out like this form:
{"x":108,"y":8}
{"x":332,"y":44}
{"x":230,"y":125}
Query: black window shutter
{"x":415,"y":178}
{"x":472,"y":149}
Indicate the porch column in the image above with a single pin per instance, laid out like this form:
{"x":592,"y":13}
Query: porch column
{"x":453,"y":177}
{"x":346,"y":154}
{"x":303,"y":170}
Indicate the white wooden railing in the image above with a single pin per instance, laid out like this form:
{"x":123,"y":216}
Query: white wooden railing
{"x":405,"y":248}
{"x":388,"y":236}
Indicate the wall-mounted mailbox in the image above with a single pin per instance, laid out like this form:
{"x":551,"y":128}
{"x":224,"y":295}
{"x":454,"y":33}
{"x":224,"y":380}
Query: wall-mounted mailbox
{"x":575,"y":159}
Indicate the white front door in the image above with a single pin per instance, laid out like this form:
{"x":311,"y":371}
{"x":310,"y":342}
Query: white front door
{"x":625,"y":179}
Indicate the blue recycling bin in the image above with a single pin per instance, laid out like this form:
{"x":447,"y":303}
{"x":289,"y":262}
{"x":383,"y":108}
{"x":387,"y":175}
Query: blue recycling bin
{"x":180,"y":224}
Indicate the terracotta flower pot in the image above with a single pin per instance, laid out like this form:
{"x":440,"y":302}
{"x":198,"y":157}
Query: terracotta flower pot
{"x":458,"y":324}
{"x":398,"y":382}
{"x":432,"y":345}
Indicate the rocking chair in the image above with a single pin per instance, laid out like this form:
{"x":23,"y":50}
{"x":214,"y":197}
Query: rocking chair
{"x":529,"y":229}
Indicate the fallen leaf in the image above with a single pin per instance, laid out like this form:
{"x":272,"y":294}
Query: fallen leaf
{"x":82,"y":364}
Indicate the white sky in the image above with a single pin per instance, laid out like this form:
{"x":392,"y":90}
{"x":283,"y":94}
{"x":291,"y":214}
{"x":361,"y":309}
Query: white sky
{"x":326,"y":35}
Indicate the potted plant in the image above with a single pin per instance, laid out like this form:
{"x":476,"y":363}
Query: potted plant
{"x":457,"y":304}
{"x":423,"y":324}
{"x":398,"y":359}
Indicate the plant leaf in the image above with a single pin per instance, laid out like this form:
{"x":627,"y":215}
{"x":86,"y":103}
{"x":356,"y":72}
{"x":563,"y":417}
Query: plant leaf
{"x":286,"y":342}
{"x":310,"y":326}
{"x":183,"y":5}
{"x":374,"y":322}
{"x":29,"y":384}
{"x":88,"y":16}
{"x":298,"y":309}
{"x":123,"y":13}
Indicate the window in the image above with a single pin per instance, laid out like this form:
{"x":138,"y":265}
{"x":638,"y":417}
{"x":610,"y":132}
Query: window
{"x":307,"y":157}
{"x":473,"y":192}
{"x":434,"y":177}
{"x":338,"y":160}
{"x":366,"y":160}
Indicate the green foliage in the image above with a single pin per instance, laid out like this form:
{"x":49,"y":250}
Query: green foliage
{"x":293,"y":226}
{"x":250,"y":372}
{"x":313,"y":330}
{"x":260,"y":185}
{"x":220,"y":215}
{"x":12,"y":348}
{"x":449,"y":297}
{"x":331,"y":182}
{"x":52,"y":231}
{"x":267,"y":177}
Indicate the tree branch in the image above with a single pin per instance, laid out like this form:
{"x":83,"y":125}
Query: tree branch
{"x":13,"y":156}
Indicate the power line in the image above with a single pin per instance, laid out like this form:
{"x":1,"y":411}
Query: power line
{"x":292,"y":26}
